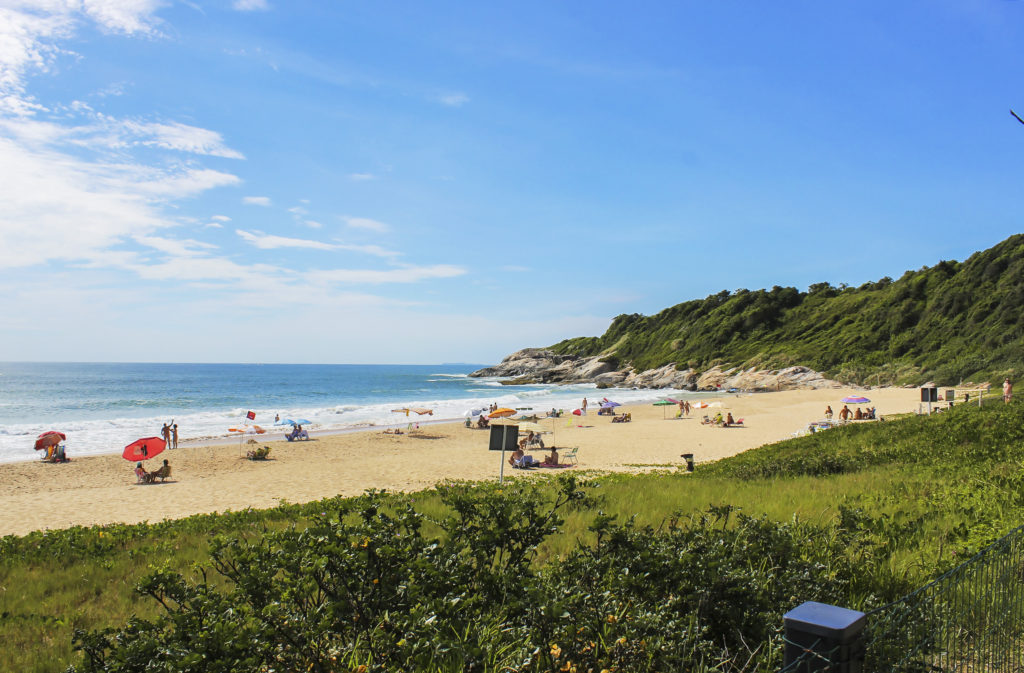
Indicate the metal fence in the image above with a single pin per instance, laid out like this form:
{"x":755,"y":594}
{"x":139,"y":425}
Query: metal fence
{"x":969,"y":619}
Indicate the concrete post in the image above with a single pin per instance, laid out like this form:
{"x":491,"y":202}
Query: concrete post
{"x":822,"y":637}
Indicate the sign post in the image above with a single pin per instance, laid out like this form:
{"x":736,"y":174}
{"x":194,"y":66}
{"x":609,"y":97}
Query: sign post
{"x":503,"y":437}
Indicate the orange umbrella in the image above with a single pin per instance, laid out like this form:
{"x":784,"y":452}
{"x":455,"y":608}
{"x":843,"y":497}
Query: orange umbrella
{"x":502,"y":413}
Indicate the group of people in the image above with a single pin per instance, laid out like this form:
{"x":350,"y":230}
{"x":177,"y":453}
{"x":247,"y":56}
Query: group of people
{"x":684,"y":409}
{"x":721,"y":421}
{"x":846,"y":415}
{"x":521,"y":459}
{"x":169,"y":433}
{"x":298,"y":432}
{"x":143,"y":477}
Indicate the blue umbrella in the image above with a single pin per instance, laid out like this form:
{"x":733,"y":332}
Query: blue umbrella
{"x":303,"y":421}
{"x":285,"y":421}
{"x":856,"y":400}
{"x":610,"y":405}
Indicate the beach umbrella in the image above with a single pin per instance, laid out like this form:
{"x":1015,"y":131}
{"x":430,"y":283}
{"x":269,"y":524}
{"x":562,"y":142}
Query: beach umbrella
{"x":524,"y":426}
{"x":855,"y":399}
{"x":700,"y":405}
{"x":303,"y":421}
{"x":470,"y":413}
{"x":416,"y":410}
{"x":142,"y":449}
{"x":503,"y":412}
{"x":48,"y":439}
{"x":608,"y":404}
{"x":663,"y":404}
{"x":247,"y":430}
{"x":285,"y":421}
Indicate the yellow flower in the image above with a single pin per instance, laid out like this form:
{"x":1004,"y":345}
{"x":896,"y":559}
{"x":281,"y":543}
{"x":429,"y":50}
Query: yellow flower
{"x":612,"y":619}
{"x":376,"y":581}
{"x":621,"y":641}
{"x":556,"y":651}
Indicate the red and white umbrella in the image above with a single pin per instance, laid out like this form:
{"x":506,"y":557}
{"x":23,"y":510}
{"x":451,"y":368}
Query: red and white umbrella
{"x":48,"y":439}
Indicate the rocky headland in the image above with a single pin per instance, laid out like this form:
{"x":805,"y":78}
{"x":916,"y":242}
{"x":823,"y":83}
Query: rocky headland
{"x":539,"y":365}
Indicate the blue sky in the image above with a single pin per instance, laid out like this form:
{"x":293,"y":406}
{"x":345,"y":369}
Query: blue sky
{"x":408,"y":182}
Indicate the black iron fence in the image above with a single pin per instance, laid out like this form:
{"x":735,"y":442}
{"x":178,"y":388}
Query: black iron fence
{"x":969,"y":619}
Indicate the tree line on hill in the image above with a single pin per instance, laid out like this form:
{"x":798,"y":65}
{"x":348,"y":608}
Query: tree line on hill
{"x":948,"y":323}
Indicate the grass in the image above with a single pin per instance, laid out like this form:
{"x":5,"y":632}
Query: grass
{"x":921,"y":492}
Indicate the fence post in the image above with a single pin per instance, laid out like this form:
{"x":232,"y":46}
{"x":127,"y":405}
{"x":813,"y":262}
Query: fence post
{"x":824,"y":637}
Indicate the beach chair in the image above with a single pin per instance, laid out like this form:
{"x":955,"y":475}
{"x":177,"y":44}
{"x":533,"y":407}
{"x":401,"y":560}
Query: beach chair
{"x":570,"y":456}
{"x":161,"y":474}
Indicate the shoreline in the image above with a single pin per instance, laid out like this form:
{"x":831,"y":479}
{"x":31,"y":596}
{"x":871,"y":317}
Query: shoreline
{"x":216,"y":476}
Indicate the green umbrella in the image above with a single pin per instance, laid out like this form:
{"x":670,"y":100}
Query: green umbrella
{"x":664,"y":403}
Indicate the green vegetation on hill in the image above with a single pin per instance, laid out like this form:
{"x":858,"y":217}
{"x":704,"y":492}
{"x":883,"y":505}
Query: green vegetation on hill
{"x":668,"y":571}
{"x":950,"y":322}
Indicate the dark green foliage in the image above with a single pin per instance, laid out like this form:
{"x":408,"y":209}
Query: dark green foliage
{"x":366,"y":587}
{"x":950,"y":322}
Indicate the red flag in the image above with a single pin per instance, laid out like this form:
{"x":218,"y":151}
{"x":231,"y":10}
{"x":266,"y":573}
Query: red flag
{"x":251,"y":415}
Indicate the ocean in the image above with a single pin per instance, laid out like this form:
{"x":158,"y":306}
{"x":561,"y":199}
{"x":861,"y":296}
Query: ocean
{"x":102,"y":407}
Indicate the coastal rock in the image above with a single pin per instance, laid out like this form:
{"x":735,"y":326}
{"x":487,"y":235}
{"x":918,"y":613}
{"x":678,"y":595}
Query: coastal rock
{"x":539,"y":365}
{"x":666,"y":376}
{"x":790,"y":378}
{"x":533,"y":362}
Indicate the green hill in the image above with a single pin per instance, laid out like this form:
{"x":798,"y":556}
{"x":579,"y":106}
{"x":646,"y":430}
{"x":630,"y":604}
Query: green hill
{"x":950,"y":322}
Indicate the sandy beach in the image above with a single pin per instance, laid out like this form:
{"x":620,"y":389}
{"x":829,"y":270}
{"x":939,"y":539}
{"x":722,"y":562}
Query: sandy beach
{"x":103,"y":489}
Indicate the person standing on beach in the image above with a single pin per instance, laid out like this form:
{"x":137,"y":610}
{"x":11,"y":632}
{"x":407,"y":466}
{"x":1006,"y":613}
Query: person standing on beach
{"x":1007,"y":390}
{"x":828,"y":412}
{"x":174,"y":436}
{"x":584,"y":407}
{"x":165,"y":433}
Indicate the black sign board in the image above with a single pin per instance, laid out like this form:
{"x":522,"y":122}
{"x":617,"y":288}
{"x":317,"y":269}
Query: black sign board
{"x":504,"y":438}
{"x":929,"y":394}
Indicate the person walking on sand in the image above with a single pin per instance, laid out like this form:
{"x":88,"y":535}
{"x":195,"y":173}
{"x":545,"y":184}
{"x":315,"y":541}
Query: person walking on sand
{"x":165,"y":433}
{"x":845,"y":413}
{"x":828,"y":412}
{"x":584,"y":407}
{"x":174,"y":436}
{"x":1007,"y":390}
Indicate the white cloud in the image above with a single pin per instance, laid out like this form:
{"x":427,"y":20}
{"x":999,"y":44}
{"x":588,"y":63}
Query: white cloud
{"x":221,"y":218}
{"x":314,"y":224}
{"x":59,"y":207}
{"x":374,"y":250}
{"x":124,"y":16}
{"x":453,"y":99}
{"x":410,"y":274}
{"x":256,"y":201}
{"x":251,"y":5}
{"x":182,"y":137}
{"x":366,"y":223}
{"x":298,"y":210}
{"x":361,"y":177}
{"x":272,"y":242}
{"x":178,"y":248}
